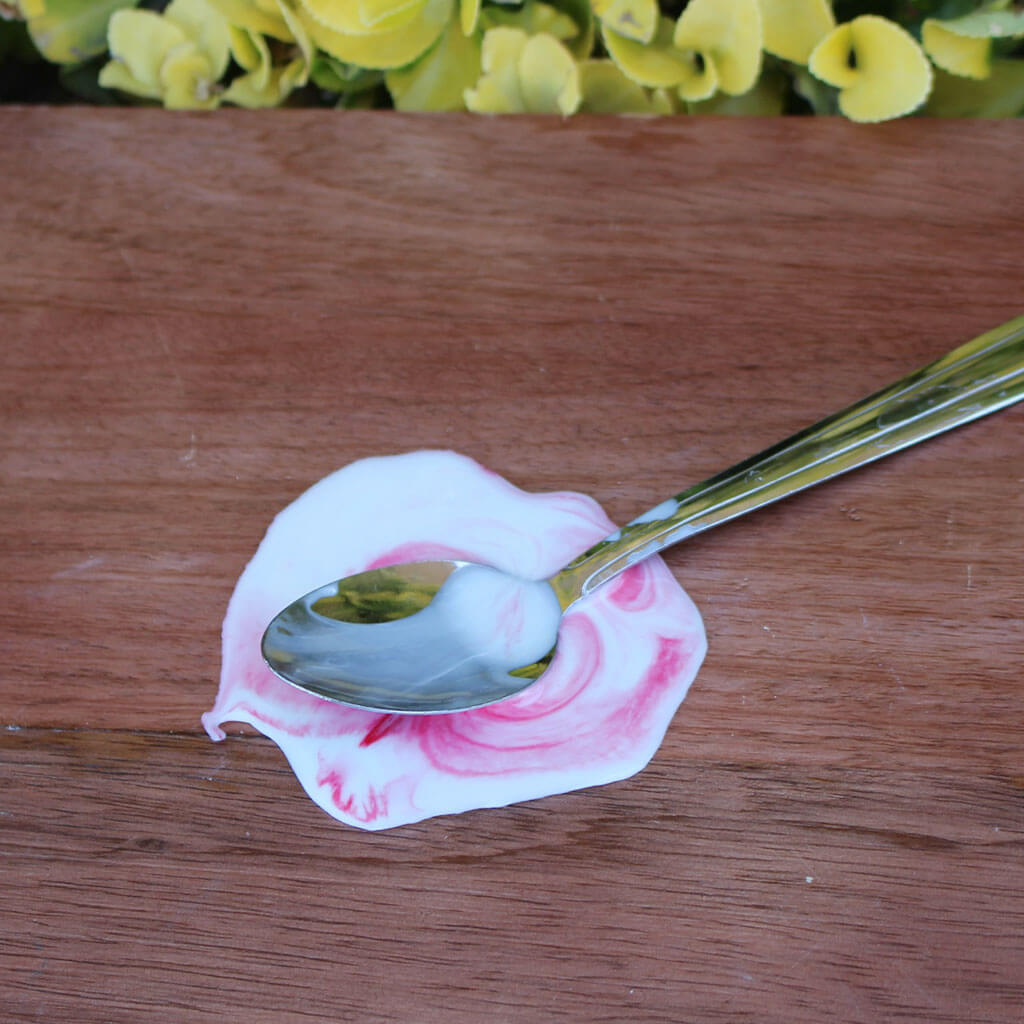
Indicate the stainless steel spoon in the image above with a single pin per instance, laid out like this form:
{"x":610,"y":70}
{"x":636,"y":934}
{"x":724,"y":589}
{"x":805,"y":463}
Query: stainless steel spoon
{"x":380,"y":640}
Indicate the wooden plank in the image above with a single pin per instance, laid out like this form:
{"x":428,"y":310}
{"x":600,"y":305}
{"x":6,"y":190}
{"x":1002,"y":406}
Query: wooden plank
{"x":203,"y":315}
{"x":163,"y":871}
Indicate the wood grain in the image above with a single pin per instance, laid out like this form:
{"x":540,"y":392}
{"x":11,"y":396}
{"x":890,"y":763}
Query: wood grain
{"x":200,"y":316}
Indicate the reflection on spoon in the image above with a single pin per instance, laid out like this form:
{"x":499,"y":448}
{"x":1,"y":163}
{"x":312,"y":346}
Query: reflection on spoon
{"x":447,"y":634}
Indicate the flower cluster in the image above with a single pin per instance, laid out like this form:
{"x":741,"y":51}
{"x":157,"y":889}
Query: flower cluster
{"x":869,"y":62}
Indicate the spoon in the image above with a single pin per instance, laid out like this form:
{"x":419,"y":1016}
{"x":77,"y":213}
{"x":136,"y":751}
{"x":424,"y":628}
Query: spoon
{"x":448,"y":635}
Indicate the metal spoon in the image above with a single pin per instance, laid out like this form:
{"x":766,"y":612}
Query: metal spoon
{"x":380,"y":640}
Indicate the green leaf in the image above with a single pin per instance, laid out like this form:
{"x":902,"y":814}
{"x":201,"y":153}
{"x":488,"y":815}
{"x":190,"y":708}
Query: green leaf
{"x":72,"y":31}
{"x":82,"y":80}
{"x":335,"y":75}
{"x":15,"y":43}
{"x":438,"y":79}
{"x":766,"y":99}
{"x":988,"y":24}
{"x":823,"y":99}
{"x":582,"y":46}
{"x":533,"y":17}
{"x":999,"y":95}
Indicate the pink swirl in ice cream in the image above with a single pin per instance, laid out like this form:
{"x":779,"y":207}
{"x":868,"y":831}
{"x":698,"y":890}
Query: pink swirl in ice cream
{"x":625,"y":659}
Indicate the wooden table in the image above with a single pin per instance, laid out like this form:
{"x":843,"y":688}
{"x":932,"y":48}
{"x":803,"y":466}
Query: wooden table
{"x":203,"y":315}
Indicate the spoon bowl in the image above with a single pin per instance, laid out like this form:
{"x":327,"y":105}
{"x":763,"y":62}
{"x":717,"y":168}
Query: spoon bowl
{"x":417,"y":638}
{"x":448,"y":635}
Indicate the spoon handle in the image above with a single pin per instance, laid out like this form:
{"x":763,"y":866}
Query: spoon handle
{"x":973,"y":380}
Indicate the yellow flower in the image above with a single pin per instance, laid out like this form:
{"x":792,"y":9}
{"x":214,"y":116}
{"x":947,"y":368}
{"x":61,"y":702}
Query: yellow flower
{"x":469,"y":15}
{"x":660,"y":64}
{"x":716,"y":44}
{"x":958,"y":54}
{"x":375,"y":33}
{"x":792,"y":28}
{"x":264,"y":83}
{"x":963,"y":46}
{"x":632,"y":19}
{"x":178,"y":57}
{"x":362,"y":17}
{"x":69,"y":31}
{"x":877,"y":66}
{"x":439,"y":79}
{"x":271,"y":18}
{"x":727,"y":35}
{"x":525,"y":74}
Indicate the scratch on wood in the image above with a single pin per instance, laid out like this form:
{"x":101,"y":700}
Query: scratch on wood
{"x":191,"y":453}
{"x":127,"y":260}
{"x":83,"y":566}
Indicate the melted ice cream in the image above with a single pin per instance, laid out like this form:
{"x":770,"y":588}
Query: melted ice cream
{"x":625,"y":659}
